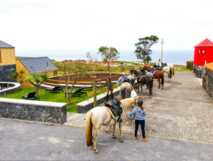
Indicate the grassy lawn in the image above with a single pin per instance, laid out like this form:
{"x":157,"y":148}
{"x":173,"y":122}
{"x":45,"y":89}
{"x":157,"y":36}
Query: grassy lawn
{"x":181,"y":68}
{"x":56,"y":97}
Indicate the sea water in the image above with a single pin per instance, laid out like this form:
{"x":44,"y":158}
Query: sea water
{"x":169,"y":56}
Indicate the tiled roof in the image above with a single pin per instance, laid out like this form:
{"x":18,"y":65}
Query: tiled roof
{"x":205,"y":43}
{"x":37,"y":64}
{"x":5,"y":45}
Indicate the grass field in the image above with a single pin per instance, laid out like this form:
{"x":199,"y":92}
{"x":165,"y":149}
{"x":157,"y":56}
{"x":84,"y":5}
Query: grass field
{"x":45,"y":95}
{"x":181,"y":68}
{"x":118,"y":67}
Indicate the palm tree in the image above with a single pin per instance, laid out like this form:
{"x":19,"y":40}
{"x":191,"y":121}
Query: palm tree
{"x":36,"y":80}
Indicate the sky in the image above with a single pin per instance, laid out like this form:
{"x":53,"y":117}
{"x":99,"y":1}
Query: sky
{"x":80,"y":26}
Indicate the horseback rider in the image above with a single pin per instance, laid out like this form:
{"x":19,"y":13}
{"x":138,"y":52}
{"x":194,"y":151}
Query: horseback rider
{"x":131,"y":77}
{"x":109,"y":89}
{"x":122,"y":78}
{"x":115,"y":107}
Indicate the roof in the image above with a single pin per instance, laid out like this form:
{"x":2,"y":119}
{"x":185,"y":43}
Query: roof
{"x":205,"y":43}
{"x":209,"y":66}
{"x":37,"y":64}
{"x":5,"y":45}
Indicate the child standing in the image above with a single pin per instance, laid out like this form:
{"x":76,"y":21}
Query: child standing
{"x":138,"y":115}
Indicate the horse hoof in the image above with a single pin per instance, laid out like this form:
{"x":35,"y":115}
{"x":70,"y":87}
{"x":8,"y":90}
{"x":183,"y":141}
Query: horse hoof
{"x":96,"y":151}
{"x":114,"y":137}
{"x":121,"y":140}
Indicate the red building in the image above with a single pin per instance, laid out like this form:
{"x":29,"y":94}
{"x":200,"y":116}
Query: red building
{"x":203,"y":53}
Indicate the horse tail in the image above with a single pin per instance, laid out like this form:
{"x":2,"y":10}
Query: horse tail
{"x":88,"y":128}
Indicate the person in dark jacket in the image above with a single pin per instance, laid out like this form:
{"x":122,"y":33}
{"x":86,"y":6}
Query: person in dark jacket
{"x":109,"y":89}
{"x":138,"y":114}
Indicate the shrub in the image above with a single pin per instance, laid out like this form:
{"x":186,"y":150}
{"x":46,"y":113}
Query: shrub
{"x":189,"y":64}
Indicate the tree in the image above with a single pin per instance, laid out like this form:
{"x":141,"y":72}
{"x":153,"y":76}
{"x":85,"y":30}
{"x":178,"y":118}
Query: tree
{"x":72,"y":71}
{"x":143,"y":48}
{"x":36,"y":80}
{"x":108,"y":54}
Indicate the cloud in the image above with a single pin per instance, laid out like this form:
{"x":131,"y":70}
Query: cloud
{"x":86,"y":25}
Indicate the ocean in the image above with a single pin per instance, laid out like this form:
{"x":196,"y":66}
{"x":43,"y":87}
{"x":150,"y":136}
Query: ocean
{"x":169,"y":56}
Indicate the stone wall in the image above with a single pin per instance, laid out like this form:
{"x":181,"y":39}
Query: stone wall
{"x":208,"y":82}
{"x":33,"y":110}
{"x":7,"y":73}
{"x":85,"y":106}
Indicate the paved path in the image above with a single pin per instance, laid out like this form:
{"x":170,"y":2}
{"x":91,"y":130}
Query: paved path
{"x":29,"y":141}
{"x":183,"y":111}
{"x":180,"y":127}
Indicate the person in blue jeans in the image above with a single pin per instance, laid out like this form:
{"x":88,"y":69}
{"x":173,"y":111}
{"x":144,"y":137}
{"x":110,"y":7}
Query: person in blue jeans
{"x":138,"y":114}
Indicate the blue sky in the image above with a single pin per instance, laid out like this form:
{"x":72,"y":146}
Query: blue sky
{"x":79,"y":26}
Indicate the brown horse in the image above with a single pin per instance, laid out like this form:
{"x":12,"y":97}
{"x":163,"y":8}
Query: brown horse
{"x":159,"y":75}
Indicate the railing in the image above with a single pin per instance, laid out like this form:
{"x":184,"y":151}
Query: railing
{"x":8,"y":87}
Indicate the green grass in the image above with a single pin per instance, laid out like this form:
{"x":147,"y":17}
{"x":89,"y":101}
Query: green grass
{"x":181,"y":68}
{"x":45,"y":95}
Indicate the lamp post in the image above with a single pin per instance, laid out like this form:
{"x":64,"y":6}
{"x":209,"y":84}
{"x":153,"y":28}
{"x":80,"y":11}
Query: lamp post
{"x":161,"y":59}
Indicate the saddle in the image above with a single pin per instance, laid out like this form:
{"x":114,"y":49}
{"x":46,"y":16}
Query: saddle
{"x":114,"y":106}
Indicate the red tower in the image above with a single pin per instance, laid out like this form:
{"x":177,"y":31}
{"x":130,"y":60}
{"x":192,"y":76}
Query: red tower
{"x":203,"y":53}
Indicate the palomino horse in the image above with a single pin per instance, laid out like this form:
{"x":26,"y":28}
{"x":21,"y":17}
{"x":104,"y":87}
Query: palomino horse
{"x":127,"y":106}
{"x":100,"y":116}
{"x":170,"y":70}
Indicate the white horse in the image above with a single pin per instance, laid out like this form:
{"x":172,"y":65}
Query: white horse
{"x":95,"y":118}
{"x":170,"y":70}
{"x":125,"y":88}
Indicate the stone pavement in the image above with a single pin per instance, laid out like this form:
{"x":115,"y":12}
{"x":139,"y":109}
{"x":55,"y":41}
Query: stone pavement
{"x":21,"y":140}
{"x":181,"y":111}
{"x":179,"y":125}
